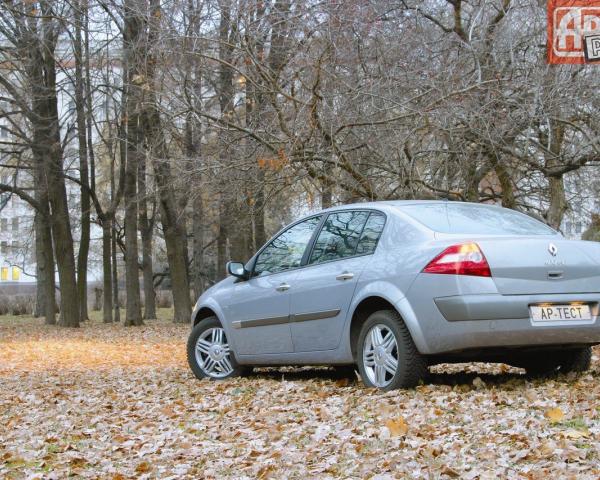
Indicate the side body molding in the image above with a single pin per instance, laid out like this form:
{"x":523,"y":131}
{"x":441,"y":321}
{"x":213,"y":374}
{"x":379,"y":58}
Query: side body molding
{"x":299,"y":317}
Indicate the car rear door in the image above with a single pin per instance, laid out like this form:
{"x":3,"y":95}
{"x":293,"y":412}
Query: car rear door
{"x":324,"y":288}
{"x":259,"y":308}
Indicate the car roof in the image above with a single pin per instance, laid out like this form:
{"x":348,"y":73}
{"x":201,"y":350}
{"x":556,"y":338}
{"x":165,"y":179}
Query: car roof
{"x":397,"y":203}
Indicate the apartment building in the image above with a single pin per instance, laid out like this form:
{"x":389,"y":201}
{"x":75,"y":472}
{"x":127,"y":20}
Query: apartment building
{"x":17,"y":247}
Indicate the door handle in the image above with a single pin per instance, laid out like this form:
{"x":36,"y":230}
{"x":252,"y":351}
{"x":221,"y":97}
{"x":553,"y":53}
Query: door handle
{"x":283,"y":287}
{"x":345,"y":276}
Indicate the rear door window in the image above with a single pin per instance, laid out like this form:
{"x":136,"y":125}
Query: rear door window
{"x":339,"y":236}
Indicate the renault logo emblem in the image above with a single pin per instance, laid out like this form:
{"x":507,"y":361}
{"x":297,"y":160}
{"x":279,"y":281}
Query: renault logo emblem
{"x":553,"y":249}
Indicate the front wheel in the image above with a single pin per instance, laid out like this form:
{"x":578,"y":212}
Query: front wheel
{"x":387,"y":357}
{"x":208,"y":352}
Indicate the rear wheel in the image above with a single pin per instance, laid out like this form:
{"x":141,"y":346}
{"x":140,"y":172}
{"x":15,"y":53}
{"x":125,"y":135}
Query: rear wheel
{"x":560,"y":361}
{"x":209,"y":354}
{"x":579,"y":360}
{"x":387,"y":357}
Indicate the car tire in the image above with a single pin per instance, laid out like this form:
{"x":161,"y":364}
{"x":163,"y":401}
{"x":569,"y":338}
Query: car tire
{"x":575,"y":360}
{"x":373,"y":355}
{"x":578,"y":360}
{"x":218,"y":356}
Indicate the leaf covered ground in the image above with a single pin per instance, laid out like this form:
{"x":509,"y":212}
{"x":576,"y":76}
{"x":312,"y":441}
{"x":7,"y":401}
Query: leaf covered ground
{"x":106,"y":401}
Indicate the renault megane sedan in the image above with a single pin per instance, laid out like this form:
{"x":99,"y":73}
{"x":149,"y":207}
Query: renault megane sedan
{"x":394,"y":287}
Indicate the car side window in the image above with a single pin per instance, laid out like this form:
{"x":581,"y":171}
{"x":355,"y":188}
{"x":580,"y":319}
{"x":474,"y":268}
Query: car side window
{"x":339,"y":236}
{"x":371,"y":233}
{"x":286,"y":251}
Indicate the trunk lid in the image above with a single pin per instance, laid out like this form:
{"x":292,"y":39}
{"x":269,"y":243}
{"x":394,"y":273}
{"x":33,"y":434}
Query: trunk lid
{"x":541,"y":265}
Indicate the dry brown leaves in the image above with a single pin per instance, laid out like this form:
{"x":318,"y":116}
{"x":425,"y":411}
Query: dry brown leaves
{"x":115,"y":402}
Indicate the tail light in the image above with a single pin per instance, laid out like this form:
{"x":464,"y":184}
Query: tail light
{"x":463,"y":259}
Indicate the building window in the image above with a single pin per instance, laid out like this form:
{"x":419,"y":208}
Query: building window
{"x":4,"y":274}
{"x":3,"y":224}
{"x":15,"y":224}
{"x":16,"y":274}
{"x":3,"y":132}
{"x":15,"y":245}
{"x":578,"y":227}
{"x":4,"y":247}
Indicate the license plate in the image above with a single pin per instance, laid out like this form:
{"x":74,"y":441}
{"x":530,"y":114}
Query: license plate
{"x":560,"y":313}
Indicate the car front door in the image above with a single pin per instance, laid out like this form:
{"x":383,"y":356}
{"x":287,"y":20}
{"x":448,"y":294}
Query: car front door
{"x":325,"y":286}
{"x":259,"y":308}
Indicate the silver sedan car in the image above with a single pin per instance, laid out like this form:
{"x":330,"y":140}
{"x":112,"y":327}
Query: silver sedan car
{"x":394,"y":287}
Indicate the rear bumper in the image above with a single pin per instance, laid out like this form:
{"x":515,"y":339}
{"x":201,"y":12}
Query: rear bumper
{"x":462,"y":322}
{"x":491,"y":307}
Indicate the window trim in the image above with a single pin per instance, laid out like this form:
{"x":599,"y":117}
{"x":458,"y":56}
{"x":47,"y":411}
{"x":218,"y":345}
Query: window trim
{"x":371,"y":211}
{"x":310,"y":246}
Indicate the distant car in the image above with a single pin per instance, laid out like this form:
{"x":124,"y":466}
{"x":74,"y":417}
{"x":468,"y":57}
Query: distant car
{"x":393,"y":287}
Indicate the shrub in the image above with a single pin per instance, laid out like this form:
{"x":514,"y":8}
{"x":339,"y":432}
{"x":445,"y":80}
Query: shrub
{"x":17,"y":304}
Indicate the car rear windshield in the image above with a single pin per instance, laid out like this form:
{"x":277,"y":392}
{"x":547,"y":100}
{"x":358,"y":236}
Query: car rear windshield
{"x":454,"y":217}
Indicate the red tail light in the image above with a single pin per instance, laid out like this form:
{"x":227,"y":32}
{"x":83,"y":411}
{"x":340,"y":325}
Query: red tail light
{"x":463,"y":259}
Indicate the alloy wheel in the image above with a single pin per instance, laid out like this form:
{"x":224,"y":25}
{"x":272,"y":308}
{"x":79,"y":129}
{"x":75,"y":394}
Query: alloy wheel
{"x":213,"y":353}
{"x":380,"y":355}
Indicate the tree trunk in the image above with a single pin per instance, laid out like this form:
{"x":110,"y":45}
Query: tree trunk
{"x":226,"y":98}
{"x":48,"y":158}
{"x":46,"y":283}
{"x":115,"y":199}
{"x":80,"y":107}
{"x":260,"y":236}
{"x":239,"y":229}
{"x":197,"y":246}
{"x":133,"y":313}
{"x":132,"y":43}
{"x":326,"y":195}
{"x":506,"y":184}
{"x":173,"y":230}
{"x":222,"y":239}
{"x":45,"y":291}
{"x":173,"y":224}
{"x":107,"y":304}
{"x":556,"y":186}
{"x":115,"y":274}
{"x":558,"y":201}
{"x":146,"y":228}
{"x":63,"y":242}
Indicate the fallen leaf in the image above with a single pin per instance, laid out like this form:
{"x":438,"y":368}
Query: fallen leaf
{"x":555,"y":415}
{"x":450,"y":472}
{"x":576,"y":434}
{"x":77,"y":462}
{"x":143,"y":467}
{"x":342,"y":382}
{"x":397,"y":426}
{"x":265,"y":472}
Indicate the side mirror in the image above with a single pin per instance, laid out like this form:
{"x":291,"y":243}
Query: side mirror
{"x":237,"y":269}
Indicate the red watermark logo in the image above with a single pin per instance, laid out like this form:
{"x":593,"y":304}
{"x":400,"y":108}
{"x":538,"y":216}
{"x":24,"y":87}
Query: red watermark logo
{"x":573,"y":31}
